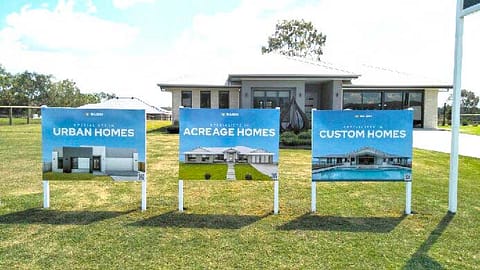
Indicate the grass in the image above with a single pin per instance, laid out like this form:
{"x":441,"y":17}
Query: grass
{"x":75,"y":176}
{"x":473,"y":130}
{"x":198,"y":171}
{"x":18,"y":121}
{"x":228,"y":224}
{"x":241,"y":170}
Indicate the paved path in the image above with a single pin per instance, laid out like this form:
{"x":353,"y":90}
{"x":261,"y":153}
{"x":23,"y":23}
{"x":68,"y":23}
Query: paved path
{"x":440,"y":140}
{"x":267,"y":169}
{"x":231,"y":171}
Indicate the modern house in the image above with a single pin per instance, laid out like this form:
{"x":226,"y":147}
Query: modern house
{"x":366,"y":157}
{"x":90,"y":159}
{"x":279,"y":81}
{"x":237,"y":154}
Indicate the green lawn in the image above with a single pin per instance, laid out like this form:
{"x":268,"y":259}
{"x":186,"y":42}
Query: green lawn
{"x":241,"y":170}
{"x":198,"y":171}
{"x":75,"y":177}
{"x":229,"y":224}
{"x":18,"y":121}
{"x":473,"y":130}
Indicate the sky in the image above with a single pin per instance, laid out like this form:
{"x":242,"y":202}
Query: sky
{"x":126,"y":47}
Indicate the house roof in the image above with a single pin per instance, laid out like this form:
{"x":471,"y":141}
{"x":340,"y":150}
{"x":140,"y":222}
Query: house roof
{"x":258,"y":66}
{"x":280,"y":67}
{"x":244,"y":150}
{"x":126,"y":103}
{"x":381,"y":77}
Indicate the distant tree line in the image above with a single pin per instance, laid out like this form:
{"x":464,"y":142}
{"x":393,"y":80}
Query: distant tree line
{"x":468,"y":105}
{"x":34,"y":89}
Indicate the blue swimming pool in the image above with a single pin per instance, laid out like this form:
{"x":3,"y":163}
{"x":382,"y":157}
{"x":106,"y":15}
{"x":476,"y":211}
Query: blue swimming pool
{"x":361,"y":174}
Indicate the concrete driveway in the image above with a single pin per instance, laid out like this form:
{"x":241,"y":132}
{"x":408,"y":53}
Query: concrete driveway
{"x":440,"y":140}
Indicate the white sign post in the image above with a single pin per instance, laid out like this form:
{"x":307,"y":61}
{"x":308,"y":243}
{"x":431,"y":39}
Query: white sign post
{"x":464,"y":8}
{"x":46,"y":194}
{"x":144,"y":193}
{"x":180,"y":195}
{"x":275,"y":196}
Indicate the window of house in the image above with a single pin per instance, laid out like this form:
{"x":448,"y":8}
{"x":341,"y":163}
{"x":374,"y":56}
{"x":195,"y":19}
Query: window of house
{"x":187,"y":99}
{"x":223,"y":100}
{"x":205,"y":99}
{"x":386,"y":100}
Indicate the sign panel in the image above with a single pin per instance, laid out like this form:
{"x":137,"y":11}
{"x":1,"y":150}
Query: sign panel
{"x":362,"y":145}
{"x":229,"y":144}
{"x":90,"y":144}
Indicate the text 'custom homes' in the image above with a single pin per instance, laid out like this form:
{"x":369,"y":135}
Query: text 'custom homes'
{"x":363,"y":134}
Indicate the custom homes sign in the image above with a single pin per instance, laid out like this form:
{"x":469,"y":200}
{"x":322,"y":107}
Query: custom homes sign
{"x":229,"y":144}
{"x":362,"y":145}
{"x":79,"y":144}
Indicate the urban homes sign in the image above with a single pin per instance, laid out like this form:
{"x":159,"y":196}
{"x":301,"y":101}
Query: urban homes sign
{"x":89,"y":144}
{"x":362,"y":146}
{"x":224,"y":144}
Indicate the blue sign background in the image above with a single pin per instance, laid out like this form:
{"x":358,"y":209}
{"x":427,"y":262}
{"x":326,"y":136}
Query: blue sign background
{"x":236,"y":118}
{"x":93,"y":118}
{"x":353,"y":121}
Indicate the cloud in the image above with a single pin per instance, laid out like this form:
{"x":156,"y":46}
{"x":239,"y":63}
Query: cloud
{"x":66,"y":29}
{"x":125,"y":4}
{"x":412,"y":36}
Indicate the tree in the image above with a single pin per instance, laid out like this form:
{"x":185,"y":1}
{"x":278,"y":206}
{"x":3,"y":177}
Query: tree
{"x":468,"y":102}
{"x":296,"y":38}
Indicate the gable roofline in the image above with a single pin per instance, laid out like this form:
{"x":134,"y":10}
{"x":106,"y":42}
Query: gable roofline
{"x":239,"y":77}
{"x":395,"y":87}
{"x":166,"y":86}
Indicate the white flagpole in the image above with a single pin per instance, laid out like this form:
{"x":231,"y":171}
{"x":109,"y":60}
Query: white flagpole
{"x":457,"y":84}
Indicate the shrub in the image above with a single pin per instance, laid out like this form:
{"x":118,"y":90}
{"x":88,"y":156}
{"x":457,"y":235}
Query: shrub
{"x":291,"y":139}
{"x":305,"y":135}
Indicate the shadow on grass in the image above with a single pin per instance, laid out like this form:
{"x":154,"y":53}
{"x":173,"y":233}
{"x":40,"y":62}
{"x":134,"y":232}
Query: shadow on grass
{"x":420,"y":259}
{"x":181,"y":220}
{"x":55,"y":217}
{"x":344,"y":224}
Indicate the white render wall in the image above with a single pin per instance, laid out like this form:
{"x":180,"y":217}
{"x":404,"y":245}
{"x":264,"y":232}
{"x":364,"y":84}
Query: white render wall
{"x":430,"y":115}
{"x":214,"y":92}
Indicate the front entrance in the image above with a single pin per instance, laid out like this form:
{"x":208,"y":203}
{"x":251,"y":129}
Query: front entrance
{"x":97,"y":163}
{"x":366,"y":160}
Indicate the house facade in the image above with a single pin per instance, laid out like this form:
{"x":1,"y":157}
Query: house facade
{"x":312,"y":85}
{"x":237,"y":154}
{"x":89,"y":159}
{"x":364,"y":157}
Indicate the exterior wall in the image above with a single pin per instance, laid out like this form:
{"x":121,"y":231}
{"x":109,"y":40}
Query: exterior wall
{"x":176,"y":101}
{"x":214,"y":102}
{"x":247,"y":93}
{"x":331,"y":96}
{"x":55,"y":162}
{"x":430,"y":116}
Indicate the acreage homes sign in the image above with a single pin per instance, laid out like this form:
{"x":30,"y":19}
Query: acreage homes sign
{"x":229,"y":144}
{"x":85,"y":144}
{"x":362,"y":145}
